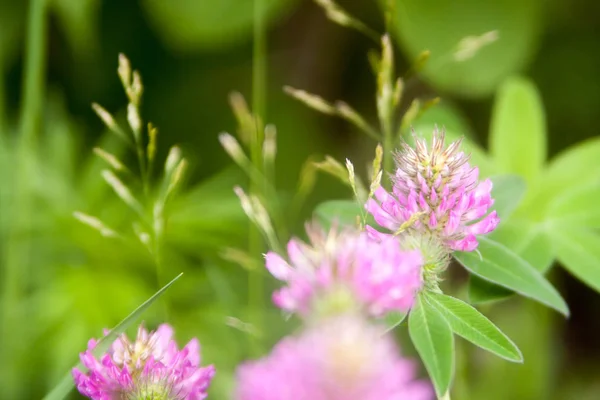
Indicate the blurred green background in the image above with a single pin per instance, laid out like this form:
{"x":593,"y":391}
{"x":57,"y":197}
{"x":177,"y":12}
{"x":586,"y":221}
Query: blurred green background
{"x":71,"y":282}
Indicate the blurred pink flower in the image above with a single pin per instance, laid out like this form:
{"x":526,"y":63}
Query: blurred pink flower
{"x":343,"y":358}
{"x":338,"y":270}
{"x":437,"y":190}
{"x":151,"y":367}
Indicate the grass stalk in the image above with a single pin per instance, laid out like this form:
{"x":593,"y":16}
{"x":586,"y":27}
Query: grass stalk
{"x":255,"y":245}
{"x":17,"y":251}
{"x":388,"y":148}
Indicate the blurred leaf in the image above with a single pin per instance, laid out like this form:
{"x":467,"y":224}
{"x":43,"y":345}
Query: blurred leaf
{"x":439,"y":26}
{"x":466,"y":321}
{"x":447,"y":116}
{"x":580,"y":160}
{"x":207,"y":322}
{"x":507,"y":192}
{"x":527,"y":239}
{"x":188,"y":25}
{"x":67,"y":384}
{"x":209,"y":214}
{"x":518,"y":130}
{"x":13,"y":16}
{"x":530,"y":325}
{"x":79,"y":19}
{"x":579,"y":206}
{"x":502,"y":266}
{"x":576,"y":166}
{"x":434,"y":342}
{"x":579,"y":252}
{"x":342,"y":212}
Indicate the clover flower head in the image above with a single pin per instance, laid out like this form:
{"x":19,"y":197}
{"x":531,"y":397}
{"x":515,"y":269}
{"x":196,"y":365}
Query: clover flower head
{"x":340,"y":358}
{"x":437,"y":191}
{"x":151,"y":367}
{"x":345,"y":269}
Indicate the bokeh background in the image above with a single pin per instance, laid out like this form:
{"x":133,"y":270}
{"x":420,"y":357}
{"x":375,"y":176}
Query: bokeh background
{"x":192,"y":53}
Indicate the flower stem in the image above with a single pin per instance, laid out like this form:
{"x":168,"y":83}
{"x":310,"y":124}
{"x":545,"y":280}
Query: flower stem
{"x":255,"y":278}
{"x":18,"y":246}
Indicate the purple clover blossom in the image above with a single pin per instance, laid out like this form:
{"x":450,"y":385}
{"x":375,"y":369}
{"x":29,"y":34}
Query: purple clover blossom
{"x":339,"y":359}
{"x":152,"y":367}
{"x":436,"y":191}
{"x":347,"y":269}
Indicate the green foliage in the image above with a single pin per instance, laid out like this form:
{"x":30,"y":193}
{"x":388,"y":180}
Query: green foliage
{"x":518,"y":130}
{"x":432,"y":337}
{"x":466,"y":321}
{"x":573,"y":167}
{"x":187,"y":25}
{"x":527,"y":324}
{"x":576,"y":207}
{"x":528,"y":240}
{"x":554,"y":198}
{"x":579,"y":252}
{"x":501,"y":266}
{"x":341,"y":212}
{"x":481,"y":291}
{"x":462,"y":61}
{"x":79,"y":21}
{"x":66,"y":268}
{"x":507,"y":192}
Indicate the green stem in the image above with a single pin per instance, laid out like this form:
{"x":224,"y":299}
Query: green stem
{"x":17,"y":246}
{"x":35,"y":67}
{"x":161,"y":278}
{"x":259,"y":72}
{"x":255,"y":283}
{"x":388,"y":147}
{"x":142,"y":165}
{"x":3,"y":127}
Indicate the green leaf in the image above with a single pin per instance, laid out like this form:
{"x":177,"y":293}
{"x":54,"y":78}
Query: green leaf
{"x":65,"y":386}
{"x":502,"y":266}
{"x":579,"y":161}
{"x":439,"y":26}
{"x":446,"y":116}
{"x":342,"y":212}
{"x":188,"y":25}
{"x":530,"y":241}
{"x":576,"y":207}
{"x":481,"y":291}
{"x":579,"y":252}
{"x":394,"y":319}
{"x":433,"y":340}
{"x":469,"y":323}
{"x":518,"y":130}
{"x":507,"y":192}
